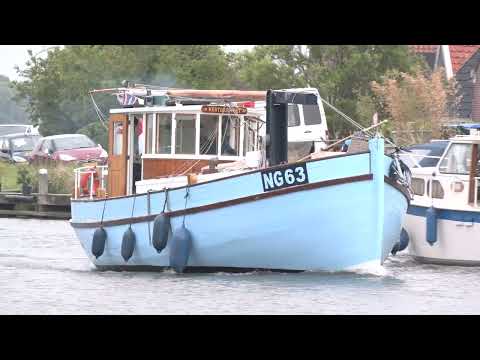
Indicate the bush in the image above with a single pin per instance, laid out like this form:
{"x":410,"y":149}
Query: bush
{"x":61,"y":179}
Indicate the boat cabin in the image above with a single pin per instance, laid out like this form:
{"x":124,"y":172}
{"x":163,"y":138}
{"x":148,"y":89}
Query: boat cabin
{"x":446,"y":173}
{"x":167,"y":138}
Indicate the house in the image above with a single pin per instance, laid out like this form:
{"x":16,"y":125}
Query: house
{"x":463,"y":63}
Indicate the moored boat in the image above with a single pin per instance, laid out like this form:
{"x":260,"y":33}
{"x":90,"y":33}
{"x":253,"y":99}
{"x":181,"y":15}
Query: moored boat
{"x":253,"y":211}
{"x":443,"y":219}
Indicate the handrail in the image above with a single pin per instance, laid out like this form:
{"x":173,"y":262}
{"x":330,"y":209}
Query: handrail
{"x":90,"y":171}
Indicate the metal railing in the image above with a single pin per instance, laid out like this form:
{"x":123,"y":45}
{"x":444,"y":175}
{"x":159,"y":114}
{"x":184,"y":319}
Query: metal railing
{"x":93,"y":173}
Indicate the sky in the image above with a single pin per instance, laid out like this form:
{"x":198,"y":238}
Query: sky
{"x":11,"y":55}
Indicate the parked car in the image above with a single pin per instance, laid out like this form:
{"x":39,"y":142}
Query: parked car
{"x":17,"y":148}
{"x":68,"y":147}
{"x":8,"y":129}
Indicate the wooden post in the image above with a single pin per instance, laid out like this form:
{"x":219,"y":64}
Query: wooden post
{"x":43,"y":181}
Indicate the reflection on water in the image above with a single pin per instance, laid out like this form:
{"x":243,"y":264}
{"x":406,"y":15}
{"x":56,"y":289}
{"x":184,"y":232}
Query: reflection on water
{"x":43,"y":270}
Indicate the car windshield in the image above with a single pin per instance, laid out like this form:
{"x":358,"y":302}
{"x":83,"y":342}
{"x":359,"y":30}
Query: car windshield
{"x":12,"y":129}
{"x":73,"y":142}
{"x":26,"y":143}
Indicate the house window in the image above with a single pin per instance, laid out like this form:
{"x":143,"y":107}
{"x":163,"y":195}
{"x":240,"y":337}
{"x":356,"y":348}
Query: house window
{"x":418,"y":186}
{"x":185,"y":134}
{"x":164,"y":134}
{"x":230,"y":136}
{"x":208,"y":134}
{"x":149,"y":135}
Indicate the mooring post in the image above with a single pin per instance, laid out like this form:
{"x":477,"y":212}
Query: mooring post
{"x":43,"y":182}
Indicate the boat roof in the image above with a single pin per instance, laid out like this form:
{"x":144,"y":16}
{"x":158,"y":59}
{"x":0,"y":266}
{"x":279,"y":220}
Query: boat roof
{"x":256,"y":111}
{"x":468,"y":139}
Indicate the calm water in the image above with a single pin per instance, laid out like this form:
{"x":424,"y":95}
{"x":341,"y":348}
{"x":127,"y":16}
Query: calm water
{"x":43,"y":270}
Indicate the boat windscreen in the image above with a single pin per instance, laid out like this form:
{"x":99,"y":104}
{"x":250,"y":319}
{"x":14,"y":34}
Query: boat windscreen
{"x":434,"y":149}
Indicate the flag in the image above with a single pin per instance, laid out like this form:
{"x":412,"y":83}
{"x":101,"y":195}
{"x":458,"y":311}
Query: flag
{"x":126,"y":99}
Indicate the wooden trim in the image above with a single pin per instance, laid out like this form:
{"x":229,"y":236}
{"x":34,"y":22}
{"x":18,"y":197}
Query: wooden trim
{"x":232,"y":176}
{"x":400,"y":188}
{"x":227,"y":203}
{"x":473,"y":173}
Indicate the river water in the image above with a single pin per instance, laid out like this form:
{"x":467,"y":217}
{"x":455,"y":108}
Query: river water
{"x":43,"y":270}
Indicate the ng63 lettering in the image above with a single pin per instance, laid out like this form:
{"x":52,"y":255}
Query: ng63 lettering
{"x":289,"y":176}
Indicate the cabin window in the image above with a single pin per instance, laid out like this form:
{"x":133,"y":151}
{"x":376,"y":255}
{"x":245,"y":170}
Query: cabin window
{"x":117,"y":138}
{"x":418,"y":186}
{"x":457,"y":160}
{"x":311,"y":115}
{"x":164,"y":134}
{"x":230,"y":136}
{"x":185,"y":134}
{"x":248,"y":136}
{"x":293,"y":115}
{"x":437,"y":190}
{"x":149,"y":135}
{"x":208,"y":134}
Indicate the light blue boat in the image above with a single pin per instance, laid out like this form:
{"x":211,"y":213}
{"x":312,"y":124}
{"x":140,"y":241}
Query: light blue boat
{"x":329,"y":214}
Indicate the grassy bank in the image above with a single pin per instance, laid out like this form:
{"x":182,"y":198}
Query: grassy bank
{"x":60,"y":177}
{"x":8,"y":177}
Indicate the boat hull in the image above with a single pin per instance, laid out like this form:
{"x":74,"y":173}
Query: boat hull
{"x":348,"y":214}
{"x":457,"y":237}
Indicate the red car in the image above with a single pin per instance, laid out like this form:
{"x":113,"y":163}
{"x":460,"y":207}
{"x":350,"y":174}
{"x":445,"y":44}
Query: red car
{"x":68,"y":147}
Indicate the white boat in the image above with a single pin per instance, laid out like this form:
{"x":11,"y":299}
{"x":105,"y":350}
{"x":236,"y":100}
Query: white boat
{"x":443,"y":219}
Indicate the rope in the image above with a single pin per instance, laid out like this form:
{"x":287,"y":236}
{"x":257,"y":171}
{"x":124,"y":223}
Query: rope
{"x":103,"y":212}
{"x":133,"y":208}
{"x":166,"y":200}
{"x":99,"y":113}
{"x":187,"y":194}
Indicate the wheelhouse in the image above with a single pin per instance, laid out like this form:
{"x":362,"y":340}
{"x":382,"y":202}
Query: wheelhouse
{"x":164,"y":141}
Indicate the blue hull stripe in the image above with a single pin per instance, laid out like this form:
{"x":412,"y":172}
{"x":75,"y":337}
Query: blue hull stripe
{"x":444,"y":214}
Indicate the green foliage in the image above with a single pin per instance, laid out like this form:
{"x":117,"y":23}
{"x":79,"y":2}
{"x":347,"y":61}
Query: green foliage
{"x":61,"y":179}
{"x":97,"y":132}
{"x":8,"y":176}
{"x":24,"y":175}
{"x":56,"y":87}
{"x":342,"y":73}
{"x":10,"y":111}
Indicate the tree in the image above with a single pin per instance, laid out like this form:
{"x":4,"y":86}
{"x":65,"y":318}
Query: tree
{"x":342,"y":73}
{"x":56,"y":87}
{"x":415,"y":103}
{"x":10,"y":111}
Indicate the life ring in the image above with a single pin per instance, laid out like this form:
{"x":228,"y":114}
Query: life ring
{"x":85,"y":183}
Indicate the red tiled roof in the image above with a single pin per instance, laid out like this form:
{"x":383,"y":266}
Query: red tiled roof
{"x":460,"y":54}
{"x":423,"y":48}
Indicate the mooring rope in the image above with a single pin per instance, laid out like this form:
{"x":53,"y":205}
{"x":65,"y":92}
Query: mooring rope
{"x":187,"y":194}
